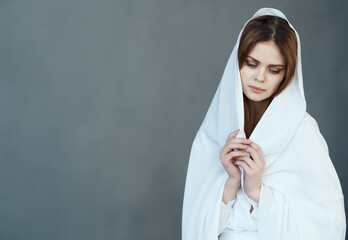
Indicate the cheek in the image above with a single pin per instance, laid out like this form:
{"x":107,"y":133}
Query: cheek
{"x":276,"y":80}
{"x":244,"y":79}
{"x":245,"y":74}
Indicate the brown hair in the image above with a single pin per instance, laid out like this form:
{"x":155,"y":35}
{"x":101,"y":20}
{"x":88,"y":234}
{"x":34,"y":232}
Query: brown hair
{"x":267,"y":28}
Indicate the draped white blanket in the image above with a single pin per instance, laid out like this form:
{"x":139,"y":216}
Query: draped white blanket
{"x":301,"y":196}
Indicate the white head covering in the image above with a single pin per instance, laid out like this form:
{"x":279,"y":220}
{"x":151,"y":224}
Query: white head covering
{"x":301,"y":195}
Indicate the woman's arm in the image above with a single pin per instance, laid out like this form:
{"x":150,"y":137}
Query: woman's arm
{"x":253,"y":166}
{"x":228,"y":199}
{"x":230,"y":190}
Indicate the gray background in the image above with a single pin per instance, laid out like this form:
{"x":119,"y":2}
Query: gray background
{"x":100,"y":102}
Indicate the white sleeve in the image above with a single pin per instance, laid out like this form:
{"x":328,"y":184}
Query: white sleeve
{"x":255,"y":212}
{"x":225,"y":212}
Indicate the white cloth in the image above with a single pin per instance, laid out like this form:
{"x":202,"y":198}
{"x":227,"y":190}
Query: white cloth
{"x":235,"y":217}
{"x":301,"y":196}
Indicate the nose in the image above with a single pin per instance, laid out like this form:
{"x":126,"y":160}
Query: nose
{"x":260,"y":74}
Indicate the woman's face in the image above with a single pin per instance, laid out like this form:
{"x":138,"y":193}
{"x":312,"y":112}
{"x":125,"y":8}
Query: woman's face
{"x":264,"y":68}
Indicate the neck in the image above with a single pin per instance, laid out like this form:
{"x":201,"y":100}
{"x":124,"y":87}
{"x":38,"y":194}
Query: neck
{"x":259,"y":107}
{"x":253,"y":112}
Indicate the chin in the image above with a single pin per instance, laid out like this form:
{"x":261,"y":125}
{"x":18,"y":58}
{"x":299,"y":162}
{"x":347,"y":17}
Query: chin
{"x":256,"y":97}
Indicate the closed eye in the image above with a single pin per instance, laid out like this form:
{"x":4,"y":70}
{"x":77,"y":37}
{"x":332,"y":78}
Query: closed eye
{"x":250,"y":65}
{"x":274,"y":71}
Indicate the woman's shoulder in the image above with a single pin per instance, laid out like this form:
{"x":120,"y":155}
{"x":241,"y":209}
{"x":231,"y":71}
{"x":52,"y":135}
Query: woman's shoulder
{"x":309,"y":120}
{"x":308,"y":124}
{"x":309,"y":131}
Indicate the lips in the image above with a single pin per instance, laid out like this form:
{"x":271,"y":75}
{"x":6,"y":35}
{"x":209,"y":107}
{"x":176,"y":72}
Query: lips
{"x":257,"y":88}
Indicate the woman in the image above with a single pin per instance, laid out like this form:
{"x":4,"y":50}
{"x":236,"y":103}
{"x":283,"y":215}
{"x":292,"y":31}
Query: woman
{"x":259,"y":167}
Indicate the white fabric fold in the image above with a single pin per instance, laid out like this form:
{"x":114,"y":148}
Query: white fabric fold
{"x":301,"y":196}
{"x":226,"y":212}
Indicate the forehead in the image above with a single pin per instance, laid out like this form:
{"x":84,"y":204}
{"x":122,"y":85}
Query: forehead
{"x":267,"y":53}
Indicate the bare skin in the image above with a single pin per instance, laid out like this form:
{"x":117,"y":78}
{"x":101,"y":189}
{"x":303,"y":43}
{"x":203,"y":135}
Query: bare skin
{"x":227,"y":158}
{"x":264,"y":68}
{"x":253,"y":167}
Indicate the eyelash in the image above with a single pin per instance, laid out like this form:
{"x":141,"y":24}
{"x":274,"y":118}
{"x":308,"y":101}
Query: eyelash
{"x":253,"y":66}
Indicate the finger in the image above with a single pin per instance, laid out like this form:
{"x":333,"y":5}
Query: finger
{"x":240,"y":140}
{"x":255,"y":155}
{"x":234,"y":154}
{"x":225,"y":148}
{"x":230,"y":156}
{"x":248,"y":161}
{"x":262,"y":160}
{"x":232,"y":146}
{"x":257,"y":147}
{"x":233,"y":134}
{"x":245,"y":166}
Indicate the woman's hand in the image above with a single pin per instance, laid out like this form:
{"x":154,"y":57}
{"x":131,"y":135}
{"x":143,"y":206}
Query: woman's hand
{"x":228,"y":155}
{"x":253,"y":167}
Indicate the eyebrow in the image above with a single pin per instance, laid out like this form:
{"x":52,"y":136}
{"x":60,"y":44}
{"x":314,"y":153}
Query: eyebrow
{"x":272,"y":65}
